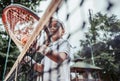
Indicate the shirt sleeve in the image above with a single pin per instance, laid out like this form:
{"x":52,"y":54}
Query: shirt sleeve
{"x":64,"y":47}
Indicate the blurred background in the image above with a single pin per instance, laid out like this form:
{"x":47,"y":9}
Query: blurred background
{"x":92,"y":28}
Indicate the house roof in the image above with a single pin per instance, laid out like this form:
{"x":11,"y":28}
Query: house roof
{"x":82,"y":66}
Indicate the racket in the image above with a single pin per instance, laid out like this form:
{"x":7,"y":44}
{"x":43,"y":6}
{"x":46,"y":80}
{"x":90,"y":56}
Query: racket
{"x":19,"y":23}
{"x":40,"y":26}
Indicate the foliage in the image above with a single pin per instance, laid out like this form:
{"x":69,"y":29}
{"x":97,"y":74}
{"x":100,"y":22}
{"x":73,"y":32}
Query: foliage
{"x":13,"y":53}
{"x":102,"y":40}
{"x":28,"y":3}
{"x":4,"y":39}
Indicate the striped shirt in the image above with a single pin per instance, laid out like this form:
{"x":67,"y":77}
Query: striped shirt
{"x":54,"y":71}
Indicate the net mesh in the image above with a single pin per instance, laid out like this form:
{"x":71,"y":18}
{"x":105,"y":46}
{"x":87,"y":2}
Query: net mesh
{"x":26,"y":72}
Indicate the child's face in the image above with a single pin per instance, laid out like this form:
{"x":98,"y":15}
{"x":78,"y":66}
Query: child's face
{"x":56,"y":29}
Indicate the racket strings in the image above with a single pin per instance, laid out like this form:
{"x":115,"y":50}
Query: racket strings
{"x":20,"y":22}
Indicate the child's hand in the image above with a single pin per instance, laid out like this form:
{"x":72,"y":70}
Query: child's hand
{"x":29,"y":60}
{"x":44,"y":50}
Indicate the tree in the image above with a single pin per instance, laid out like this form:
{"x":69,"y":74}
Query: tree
{"x":13,"y":53}
{"x":102,"y":40}
{"x":4,"y":38}
{"x":32,"y":4}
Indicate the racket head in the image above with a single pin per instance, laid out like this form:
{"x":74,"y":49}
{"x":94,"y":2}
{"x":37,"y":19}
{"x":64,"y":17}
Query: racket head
{"x":19,"y":22}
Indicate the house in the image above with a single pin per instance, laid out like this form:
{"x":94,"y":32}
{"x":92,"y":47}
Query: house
{"x":81,"y":71}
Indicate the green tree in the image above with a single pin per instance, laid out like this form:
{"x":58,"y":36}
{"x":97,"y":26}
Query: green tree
{"x":32,"y":4}
{"x":13,"y":53}
{"x":4,"y":39}
{"x":102,"y":41}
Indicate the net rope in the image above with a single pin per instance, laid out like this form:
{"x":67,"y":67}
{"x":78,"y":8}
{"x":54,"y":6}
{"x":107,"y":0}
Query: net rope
{"x":25,"y":71}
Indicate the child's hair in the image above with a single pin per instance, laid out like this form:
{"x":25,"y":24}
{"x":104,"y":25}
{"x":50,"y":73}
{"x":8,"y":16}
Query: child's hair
{"x":59,"y":23}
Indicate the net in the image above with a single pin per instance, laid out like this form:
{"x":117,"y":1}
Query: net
{"x":19,"y":27}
